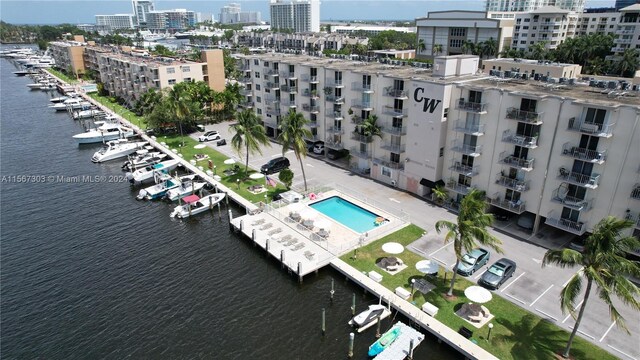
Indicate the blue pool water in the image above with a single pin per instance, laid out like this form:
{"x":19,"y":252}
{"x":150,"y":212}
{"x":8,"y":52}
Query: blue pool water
{"x":346,"y":213}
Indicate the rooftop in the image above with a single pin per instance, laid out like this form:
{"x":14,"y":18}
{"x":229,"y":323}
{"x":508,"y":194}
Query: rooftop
{"x":529,"y":62}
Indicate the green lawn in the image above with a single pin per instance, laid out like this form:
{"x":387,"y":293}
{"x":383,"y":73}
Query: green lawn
{"x":517,"y":333}
{"x":63,"y":76}
{"x":188,"y":151}
{"x":120,"y":110}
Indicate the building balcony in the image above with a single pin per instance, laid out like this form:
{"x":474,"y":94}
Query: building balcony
{"x":334,"y":144}
{"x":359,"y":104}
{"x":246,"y":80}
{"x":288,"y":75}
{"x":313,"y":138}
{"x":334,"y":115}
{"x":389,"y":110}
{"x":395,"y":93}
{"x":338,"y":130}
{"x":309,"y":78}
{"x":273,"y":111}
{"x":245,"y":91}
{"x":574,"y":227}
{"x":313,"y":124}
{"x":310,"y":93}
{"x":515,"y":162}
{"x":590,"y":128}
{"x":394,"y":148}
{"x":389,"y":164}
{"x":334,"y":99}
{"x":513,"y":184}
{"x":588,"y":181}
{"x":477,"y":108}
{"x":289,"y":89}
{"x":624,"y":32}
{"x":357,"y":152}
{"x":310,"y":108}
{"x":618,"y":49}
{"x":358,"y":86}
{"x":517,"y":206}
{"x":459,"y":146}
{"x":594,"y":156}
{"x":463,"y":169}
{"x":623,"y":41}
{"x":272,"y":72}
{"x":361,"y":138}
{"x":395,"y":130}
{"x":272,"y":101}
{"x":635,"y":193}
{"x":635,"y":217}
{"x":246,"y":104}
{"x":530,"y":117}
{"x":356,"y":119}
{"x":272,"y":85}
{"x":570,"y":201}
{"x":475,"y":129}
{"x":335,"y":84}
{"x":288,"y":103}
{"x":509,"y":136}
{"x":452,"y":185}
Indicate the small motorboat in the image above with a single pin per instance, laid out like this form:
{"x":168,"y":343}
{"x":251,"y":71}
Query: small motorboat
{"x":116,"y":149}
{"x":385,"y":340}
{"x":143,"y":158}
{"x":73,"y":104}
{"x":194,"y":205}
{"x":147,"y":173}
{"x":365,"y":319}
{"x":105,"y":132}
{"x":186,"y":188}
{"x":59,"y":99}
{"x":87,"y":114}
{"x":164,"y":183}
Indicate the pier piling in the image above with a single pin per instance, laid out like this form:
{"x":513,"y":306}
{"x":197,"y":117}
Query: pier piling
{"x":332,"y":291}
{"x":300,"y":272}
{"x":353,"y":305}
{"x":378,"y":328}
{"x":323,"y":322}
{"x":282,"y":258}
{"x":352,"y":336}
{"x":266,"y":246}
{"x":410,"y":357}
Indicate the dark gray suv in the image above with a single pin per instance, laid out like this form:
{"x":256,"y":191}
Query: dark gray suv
{"x":275,"y":165}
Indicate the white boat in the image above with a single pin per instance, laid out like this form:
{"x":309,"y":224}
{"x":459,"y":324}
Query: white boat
{"x":48,"y":86}
{"x":104,"y":133}
{"x":193,"y":205}
{"x":186,"y":188}
{"x":35,"y":86}
{"x":369,"y":317}
{"x":147,"y":173}
{"x":116,"y":149}
{"x":59,"y":99}
{"x":40,"y":62}
{"x":143,"y":158}
{"x":87,"y":114}
{"x":164,"y":183}
{"x":73,"y":104}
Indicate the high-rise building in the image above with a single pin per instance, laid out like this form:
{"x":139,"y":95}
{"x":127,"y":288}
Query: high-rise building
{"x":232,"y":14}
{"x":176,"y":19}
{"x":624,"y":3}
{"x":549,"y":25}
{"x":531,"y":5}
{"x":117,"y":21}
{"x":296,"y":15}
{"x":628,"y":30}
{"x":140,"y":10}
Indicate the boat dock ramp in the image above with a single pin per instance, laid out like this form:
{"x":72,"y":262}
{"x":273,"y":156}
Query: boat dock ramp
{"x":402,"y":346}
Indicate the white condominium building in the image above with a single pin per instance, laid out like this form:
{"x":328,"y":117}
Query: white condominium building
{"x":597,"y":23}
{"x":297,"y":15}
{"x":177,"y":19}
{"x":531,"y":5}
{"x":114,"y":22}
{"x":140,"y":10}
{"x":232,"y":14}
{"x":565,"y":154}
{"x":548,"y":24}
{"x":628,"y":30}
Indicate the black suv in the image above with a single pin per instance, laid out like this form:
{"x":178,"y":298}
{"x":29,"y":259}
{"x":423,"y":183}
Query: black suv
{"x":337,"y":154}
{"x":275,"y":165}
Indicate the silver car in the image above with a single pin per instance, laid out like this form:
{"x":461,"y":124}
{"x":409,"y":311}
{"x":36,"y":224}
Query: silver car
{"x":472,"y":261}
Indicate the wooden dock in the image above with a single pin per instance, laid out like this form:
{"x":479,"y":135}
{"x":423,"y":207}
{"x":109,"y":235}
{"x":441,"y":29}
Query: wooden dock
{"x":402,"y":347}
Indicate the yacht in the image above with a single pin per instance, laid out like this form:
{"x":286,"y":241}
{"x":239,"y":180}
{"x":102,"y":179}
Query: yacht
{"x":143,"y":158}
{"x":105,"y":132}
{"x":147,"y":173}
{"x":164,"y":183}
{"x":116,"y":149}
{"x":73,"y":104}
{"x":41,"y":62}
{"x":87,"y":114}
{"x":186,"y":188}
{"x":47,"y":85}
{"x":60,"y":99}
{"x":193,"y":205}
{"x":369,"y":317}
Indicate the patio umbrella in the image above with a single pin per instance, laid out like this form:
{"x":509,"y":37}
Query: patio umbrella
{"x":200,"y":146}
{"x":229,"y":161}
{"x":393,"y":248}
{"x":427,"y":267}
{"x":256,"y":176}
{"x":478,"y":294}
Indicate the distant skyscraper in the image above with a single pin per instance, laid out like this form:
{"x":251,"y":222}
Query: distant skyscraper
{"x":297,"y":15}
{"x":531,"y":5}
{"x":624,"y":3}
{"x":231,"y":14}
{"x":117,"y":21}
{"x":176,"y":19}
{"x":141,"y":9}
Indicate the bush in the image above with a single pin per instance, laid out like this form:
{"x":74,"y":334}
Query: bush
{"x":286,"y":176}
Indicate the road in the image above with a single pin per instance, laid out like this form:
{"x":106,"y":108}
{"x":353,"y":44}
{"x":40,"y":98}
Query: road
{"x":532,"y":287}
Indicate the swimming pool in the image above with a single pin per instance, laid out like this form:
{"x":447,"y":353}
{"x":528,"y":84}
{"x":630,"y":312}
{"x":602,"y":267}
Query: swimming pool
{"x":347,"y":213}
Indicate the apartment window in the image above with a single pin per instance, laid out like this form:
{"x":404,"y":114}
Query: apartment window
{"x":172,"y":81}
{"x":258,"y":99}
{"x":455,"y":43}
{"x":171,"y":70}
{"x":266,"y":64}
{"x":259,"y":110}
{"x":257,"y":87}
{"x":386,"y":171}
{"x":188,"y":79}
{"x":256,"y":62}
{"x":525,"y":28}
{"x":458,"y":32}
{"x":525,"y":20}
{"x":257,"y":75}
{"x":395,"y":158}
{"x":441,"y":152}
{"x":186,"y":69}
{"x":446,"y":113}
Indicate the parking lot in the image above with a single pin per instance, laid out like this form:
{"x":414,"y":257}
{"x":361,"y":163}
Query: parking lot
{"x":532,"y":287}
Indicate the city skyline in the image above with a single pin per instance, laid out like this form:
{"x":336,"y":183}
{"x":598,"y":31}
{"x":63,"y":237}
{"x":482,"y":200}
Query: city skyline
{"x":84,"y":11}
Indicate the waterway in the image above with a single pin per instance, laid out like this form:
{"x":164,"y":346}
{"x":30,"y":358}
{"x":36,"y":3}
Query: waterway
{"x":89,"y":272}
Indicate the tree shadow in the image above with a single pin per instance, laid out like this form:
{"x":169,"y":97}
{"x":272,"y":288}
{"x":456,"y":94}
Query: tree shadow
{"x":534,"y":338}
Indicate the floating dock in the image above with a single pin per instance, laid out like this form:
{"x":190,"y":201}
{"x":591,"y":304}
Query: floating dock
{"x":401,"y":348}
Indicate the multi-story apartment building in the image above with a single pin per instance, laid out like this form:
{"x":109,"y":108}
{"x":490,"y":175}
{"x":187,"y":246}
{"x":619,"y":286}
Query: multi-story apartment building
{"x":296,"y":15}
{"x":628,"y":30}
{"x":68,"y":56}
{"x":232,"y":14}
{"x":177,"y":19}
{"x":369,"y":30}
{"x":308,"y":42}
{"x":538,"y":148}
{"x":548,"y":24}
{"x":140,"y":10}
{"x":451,"y":29}
{"x":624,"y":3}
{"x":597,"y":23}
{"x":531,"y":5}
{"x":115,"y":22}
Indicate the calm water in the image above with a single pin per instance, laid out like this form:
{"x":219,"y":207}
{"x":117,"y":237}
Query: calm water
{"x":89,"y":272}
{"x":348,"y":214}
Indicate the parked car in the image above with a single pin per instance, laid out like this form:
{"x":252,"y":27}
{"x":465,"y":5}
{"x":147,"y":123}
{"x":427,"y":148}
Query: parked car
{"x":498,"y":273}
{"x":577,"y":243}
{"x":209,"y":136}
{"x":472,"y":261}
{"x":318,"y":148}
{"x":337,"y":154}
{"x":275,"y":165}
{"x":526,"y":221}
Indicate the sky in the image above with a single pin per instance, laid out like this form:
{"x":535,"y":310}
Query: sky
{"x":83,"y":11}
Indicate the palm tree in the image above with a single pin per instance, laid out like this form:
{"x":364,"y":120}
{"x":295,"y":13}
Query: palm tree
{"x":628,"y":61}
{"x":468,"y":46}
{"x":249,"y":133}
{"x":421,"y":45}
{"x":437,"y":49}
{"x":490,"y":47}
{"x":470,"y":227}
{"x":604,"y":265}
{"x":178,"y":102}
{"x":292,"y":134}
{"x":538,"y":50}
